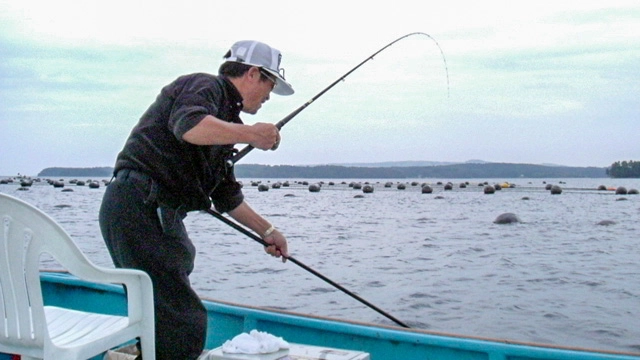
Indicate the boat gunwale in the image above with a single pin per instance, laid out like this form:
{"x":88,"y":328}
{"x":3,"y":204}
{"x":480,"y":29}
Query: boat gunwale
{"x":349,"y":326}
{"x":373,"y":327}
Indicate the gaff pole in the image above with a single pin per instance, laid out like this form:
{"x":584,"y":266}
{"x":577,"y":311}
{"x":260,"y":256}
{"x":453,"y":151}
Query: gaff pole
{"x":242,"y":153}
{"x":305,"y":267}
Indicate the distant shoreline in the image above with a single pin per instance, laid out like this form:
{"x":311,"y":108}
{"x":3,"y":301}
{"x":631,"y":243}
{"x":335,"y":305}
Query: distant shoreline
{"x":459,"y":171}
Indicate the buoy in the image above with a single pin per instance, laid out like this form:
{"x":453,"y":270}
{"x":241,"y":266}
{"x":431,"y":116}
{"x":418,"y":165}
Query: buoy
{"x":606,"y":223}
{"x":556,"y":190}
{"x":506,"y":218}
{"x":314,"y":188}
{"x":621,"y":190}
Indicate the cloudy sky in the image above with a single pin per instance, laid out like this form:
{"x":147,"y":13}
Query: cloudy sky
{"x":528,"y":82}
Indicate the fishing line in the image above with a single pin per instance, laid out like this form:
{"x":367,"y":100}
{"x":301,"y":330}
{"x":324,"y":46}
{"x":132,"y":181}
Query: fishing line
{"x":305,"y":267}
{"x":242,"y":153}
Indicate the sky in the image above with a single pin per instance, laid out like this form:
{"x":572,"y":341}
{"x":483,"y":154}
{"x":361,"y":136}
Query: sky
{"x":544,"y":82}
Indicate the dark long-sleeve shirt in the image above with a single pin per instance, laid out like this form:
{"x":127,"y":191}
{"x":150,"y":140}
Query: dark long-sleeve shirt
{"x":187,"y":175}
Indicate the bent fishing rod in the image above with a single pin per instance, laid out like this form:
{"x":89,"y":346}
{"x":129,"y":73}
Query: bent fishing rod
{"x":305,"y":267}
{"x":242,"y":153}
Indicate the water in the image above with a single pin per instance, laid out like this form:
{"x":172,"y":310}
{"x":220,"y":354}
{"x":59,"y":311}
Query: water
{"x":434,"y":263}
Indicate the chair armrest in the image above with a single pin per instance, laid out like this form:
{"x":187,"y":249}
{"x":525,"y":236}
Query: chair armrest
{"x":137,"y":282}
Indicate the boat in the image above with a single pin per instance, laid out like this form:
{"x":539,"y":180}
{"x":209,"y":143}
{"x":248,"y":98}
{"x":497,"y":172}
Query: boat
{"x":378,"y":342}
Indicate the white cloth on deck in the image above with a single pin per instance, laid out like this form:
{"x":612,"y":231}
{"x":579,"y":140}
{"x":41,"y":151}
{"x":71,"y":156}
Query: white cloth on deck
{"x":256,"y":342}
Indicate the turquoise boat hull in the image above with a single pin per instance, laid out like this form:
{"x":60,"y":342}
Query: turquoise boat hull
{"x":381,"y":342}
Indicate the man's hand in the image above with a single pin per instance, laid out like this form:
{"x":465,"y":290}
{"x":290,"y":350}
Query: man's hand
{"x":277,"y":245}
{"x":266,"y":136}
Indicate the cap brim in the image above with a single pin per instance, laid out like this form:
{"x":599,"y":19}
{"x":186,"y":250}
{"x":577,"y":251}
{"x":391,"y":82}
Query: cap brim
{"x":282,"y":86}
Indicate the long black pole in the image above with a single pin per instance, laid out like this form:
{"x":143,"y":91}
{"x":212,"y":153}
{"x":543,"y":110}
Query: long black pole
{"x":305,"y":267}
{"x":242,"y":153}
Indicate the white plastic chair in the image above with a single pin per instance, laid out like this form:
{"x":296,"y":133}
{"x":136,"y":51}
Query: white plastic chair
{"x":32,"y":330}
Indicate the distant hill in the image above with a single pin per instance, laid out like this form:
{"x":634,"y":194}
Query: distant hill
{"x":406,"y":163}
{"x":386,"y":164}
{"x":399,"y":170}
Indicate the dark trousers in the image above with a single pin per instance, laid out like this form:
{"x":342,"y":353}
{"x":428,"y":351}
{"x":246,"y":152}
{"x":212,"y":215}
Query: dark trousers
{"x":141,"y":235}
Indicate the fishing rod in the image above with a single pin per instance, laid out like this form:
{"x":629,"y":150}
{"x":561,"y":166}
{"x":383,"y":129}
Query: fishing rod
{"x":305,"y":267}
{"x":242,"y":153}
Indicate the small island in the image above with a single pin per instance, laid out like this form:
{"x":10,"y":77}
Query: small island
{"x":77,"y":172}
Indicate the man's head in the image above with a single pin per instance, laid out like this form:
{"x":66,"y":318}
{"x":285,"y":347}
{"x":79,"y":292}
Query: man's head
{"x":254,"y":69}
{"x":262,"y":56}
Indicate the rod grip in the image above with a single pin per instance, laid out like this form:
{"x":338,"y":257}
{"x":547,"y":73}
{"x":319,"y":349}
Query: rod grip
{"x":242,"y":153}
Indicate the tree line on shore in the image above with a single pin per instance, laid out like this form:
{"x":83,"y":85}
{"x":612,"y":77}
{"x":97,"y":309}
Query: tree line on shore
{"x":624,"y":169}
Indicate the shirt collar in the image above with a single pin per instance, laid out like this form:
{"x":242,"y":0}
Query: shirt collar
{"x":234,"y":95}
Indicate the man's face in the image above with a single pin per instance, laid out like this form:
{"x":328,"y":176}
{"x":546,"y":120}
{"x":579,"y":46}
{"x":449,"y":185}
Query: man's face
{"x":258,"y":91}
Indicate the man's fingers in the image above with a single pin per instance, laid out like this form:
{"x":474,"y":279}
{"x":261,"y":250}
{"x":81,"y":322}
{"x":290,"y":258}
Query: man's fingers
{"x":276,"y":144}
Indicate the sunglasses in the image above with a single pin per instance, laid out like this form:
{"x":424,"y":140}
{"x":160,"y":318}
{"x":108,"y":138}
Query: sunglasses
{"x":270,"y":77}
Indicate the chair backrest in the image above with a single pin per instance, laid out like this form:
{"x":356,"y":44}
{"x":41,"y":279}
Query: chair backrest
{"x":27,"y":233}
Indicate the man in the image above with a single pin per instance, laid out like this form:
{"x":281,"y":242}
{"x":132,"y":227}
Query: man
{"x":173,"y":162}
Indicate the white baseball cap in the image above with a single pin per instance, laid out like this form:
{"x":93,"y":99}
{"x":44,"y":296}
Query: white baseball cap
{"x":259,"y":54}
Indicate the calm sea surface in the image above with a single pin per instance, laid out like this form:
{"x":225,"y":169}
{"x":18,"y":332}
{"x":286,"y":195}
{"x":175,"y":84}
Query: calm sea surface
{"x":435,"y":261}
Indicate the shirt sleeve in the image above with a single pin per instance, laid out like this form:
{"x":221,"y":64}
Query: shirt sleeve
{"x":227,"y":195}
{"x":197,"y":99}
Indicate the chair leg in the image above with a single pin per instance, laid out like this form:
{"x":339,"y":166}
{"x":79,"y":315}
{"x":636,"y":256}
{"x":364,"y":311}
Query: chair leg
{"x":147,"y":349}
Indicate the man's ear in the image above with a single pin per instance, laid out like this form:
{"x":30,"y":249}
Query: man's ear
{"x":253,"y":74}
